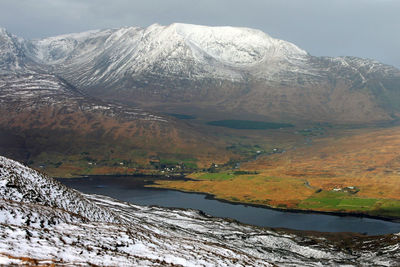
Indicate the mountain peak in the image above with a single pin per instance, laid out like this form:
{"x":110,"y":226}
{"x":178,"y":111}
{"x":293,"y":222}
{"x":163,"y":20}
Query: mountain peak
{"x":3,"y":31}
{"x":233,"y":45}
{"x":11,"y":54}
{"x":225,"y":46}
{"x":225,"y":30}
{"x":5,"y":35}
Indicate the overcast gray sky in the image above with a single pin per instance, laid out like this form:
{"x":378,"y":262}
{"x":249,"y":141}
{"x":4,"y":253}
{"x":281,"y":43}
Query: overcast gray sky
{"x":364,"y":28}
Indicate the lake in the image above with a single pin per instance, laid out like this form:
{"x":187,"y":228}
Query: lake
{"x":131,"y":189}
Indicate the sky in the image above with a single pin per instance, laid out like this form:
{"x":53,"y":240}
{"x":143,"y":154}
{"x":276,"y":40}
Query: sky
{"x":362,"y":28}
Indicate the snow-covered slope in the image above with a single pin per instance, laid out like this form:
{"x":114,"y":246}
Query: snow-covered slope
{"x":11,"y":53}
{"x":230,"y":45}
{"x":235,"y":46}
{"x":178,"y":50}
{"x":22,"y":184}
{"x":28,"y":85}
{"x":34,"y":90}
{"x":174,"y":50}
{"x":59,"y":48}
{"x":43,"y":222}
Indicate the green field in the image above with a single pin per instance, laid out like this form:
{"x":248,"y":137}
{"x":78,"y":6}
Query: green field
{"x":337,"y":201}
{"x":249,"y":125}
{"x":216,"y":176}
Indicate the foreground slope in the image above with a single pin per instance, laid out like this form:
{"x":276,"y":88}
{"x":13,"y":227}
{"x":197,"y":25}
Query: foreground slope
{"x":241,"y":71}
{"x":43,"y":222}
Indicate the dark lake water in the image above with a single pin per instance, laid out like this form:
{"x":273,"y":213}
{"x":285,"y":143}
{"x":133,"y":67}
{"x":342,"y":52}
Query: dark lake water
{"x":131,"y":189}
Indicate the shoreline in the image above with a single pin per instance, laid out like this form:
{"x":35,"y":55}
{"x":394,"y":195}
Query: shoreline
{"x":214,"y":197}
{"x":331,"y":213}
{"x":133,"y":175}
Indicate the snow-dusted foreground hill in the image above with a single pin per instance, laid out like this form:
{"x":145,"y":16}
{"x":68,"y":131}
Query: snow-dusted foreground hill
{"x":44,"y":222}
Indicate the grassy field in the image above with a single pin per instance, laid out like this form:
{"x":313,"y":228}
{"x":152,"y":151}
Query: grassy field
{"x":286,"y":193}
{"x":328,"y":201}
{"x":356,"y":171}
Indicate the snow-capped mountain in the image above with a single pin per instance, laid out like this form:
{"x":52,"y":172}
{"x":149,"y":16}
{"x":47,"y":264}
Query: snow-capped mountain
{"x":43,"y":222}
{"x":175,"y":50}
{"x":227,"y":69}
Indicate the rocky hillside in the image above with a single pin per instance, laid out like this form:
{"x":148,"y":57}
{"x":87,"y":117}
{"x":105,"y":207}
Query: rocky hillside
{"x":223,"y":69}
{"x":43,"y":222}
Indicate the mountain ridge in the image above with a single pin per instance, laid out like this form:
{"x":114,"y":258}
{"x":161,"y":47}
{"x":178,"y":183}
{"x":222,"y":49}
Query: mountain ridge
{"x":231,"y":69}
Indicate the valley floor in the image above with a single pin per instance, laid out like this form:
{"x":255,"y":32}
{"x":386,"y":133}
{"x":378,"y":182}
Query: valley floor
{"x":357,"y":173}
